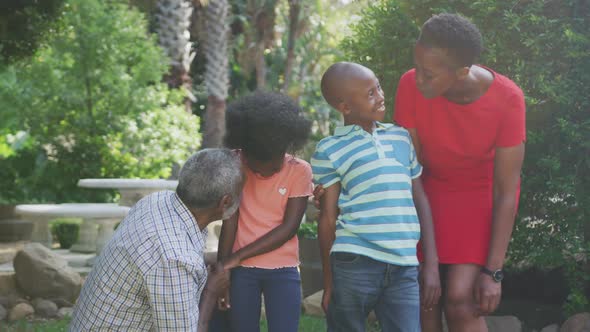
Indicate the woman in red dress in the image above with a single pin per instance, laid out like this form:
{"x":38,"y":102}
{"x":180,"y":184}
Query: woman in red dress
{"x":467,"y":123}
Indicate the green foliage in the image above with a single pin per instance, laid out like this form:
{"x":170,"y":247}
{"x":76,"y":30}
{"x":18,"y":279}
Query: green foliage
{"x":66,"y":231}
{"x":544,"y":46}
{"x":93,"y":105}
{"x":24,"y":25}
{"x":383,"y":41}
{"x":308,"y":230}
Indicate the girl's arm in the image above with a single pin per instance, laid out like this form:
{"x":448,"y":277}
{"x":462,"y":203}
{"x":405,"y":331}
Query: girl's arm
{"x":275,"y":238}
{"x":227,"y":237}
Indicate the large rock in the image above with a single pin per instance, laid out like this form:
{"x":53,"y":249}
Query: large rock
{"x":551,"y":328}
{"x":13,"y":299}
{"x":577,"y":323}
{"x":41,"y":273}
{"x":503,"y":324}
{"x":45,"y":308}
{"x":7,"y":283}
{"x":312,"y":305}
{"x":20,"y":311}
{"x":3,"y":313}
{"x":65,"y":312}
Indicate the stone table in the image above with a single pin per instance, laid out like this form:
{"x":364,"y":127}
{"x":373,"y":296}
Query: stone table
{"x":131,"y":190}
{"x":91,"y":238}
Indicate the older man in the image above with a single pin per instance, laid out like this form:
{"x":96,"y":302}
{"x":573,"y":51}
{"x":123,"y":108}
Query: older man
{"x":152,"y":274}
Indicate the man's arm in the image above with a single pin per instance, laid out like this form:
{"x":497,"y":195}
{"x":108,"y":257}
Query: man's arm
{"x":173,"y":291}
{"x":507,"y":166}
{"x":326,"y":235}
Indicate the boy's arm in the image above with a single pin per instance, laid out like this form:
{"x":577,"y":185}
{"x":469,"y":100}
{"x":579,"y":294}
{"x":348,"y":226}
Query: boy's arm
{"x":430,"y":279}
{"x":326,"y":235}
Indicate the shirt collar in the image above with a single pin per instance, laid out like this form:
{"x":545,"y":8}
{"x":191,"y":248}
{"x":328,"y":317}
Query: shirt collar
{"x":188,"y":220}
{"x":345,"y":130}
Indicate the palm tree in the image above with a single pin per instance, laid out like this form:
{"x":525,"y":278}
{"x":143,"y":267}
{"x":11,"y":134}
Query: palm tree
{"x":294,"y":10}
{"x":216,"y":71}
{"x":172,"y":20}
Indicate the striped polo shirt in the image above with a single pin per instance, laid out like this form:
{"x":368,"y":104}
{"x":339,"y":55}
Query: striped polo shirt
{"x":377,"y":214}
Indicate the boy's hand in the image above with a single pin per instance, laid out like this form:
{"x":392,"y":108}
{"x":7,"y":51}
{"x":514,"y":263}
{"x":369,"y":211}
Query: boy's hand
{"x":430,"y":288}
{"x":318,"y":192}
{"x":326,"y":298}
{"x":217,"y":281}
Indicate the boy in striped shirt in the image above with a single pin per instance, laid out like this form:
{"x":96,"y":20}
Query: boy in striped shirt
{"x":373,"y":212}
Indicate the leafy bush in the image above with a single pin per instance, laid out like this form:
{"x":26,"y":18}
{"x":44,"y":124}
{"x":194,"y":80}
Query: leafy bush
{"x":308,"y":230}
{"x":66,"y":231}
{"x":93,"y":105}
{"x":544,"y":47}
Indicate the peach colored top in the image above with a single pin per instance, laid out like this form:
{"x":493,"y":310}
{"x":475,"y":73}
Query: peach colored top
{"x":262,"y":208}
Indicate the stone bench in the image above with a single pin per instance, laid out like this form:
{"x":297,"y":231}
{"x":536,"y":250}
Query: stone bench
{"x":131,"y":190}
{"x":91,"y":238}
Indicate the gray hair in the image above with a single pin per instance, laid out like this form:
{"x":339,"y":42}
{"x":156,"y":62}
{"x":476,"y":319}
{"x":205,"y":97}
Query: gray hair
{"x":207,"y":176}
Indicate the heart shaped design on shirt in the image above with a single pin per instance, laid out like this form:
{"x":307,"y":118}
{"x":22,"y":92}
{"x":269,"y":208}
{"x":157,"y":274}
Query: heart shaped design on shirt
{"x":282,"y":191}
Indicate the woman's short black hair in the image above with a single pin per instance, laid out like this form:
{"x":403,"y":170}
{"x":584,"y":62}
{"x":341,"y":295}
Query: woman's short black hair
{"x":454,"y":33}
{"x":266,"y":125}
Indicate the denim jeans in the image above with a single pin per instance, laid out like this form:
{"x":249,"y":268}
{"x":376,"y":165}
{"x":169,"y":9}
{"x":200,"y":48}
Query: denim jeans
{"x":361,"y":284}
{"x":282,"y":299}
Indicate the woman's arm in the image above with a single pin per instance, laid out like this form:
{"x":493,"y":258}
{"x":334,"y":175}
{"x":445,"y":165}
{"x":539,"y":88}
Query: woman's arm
{"x":429,"y":276}
{"x":507,"y":167}
{"x":275,"y":238}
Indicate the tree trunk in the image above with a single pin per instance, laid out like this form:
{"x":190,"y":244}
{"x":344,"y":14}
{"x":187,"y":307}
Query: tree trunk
{"x":214,"y":123}
{"x":172,"y":20}
{"x":216,"y":72}
{"x":294,"y":10}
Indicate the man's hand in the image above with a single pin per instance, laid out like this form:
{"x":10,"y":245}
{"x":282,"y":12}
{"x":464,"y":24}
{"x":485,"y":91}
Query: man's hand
{"x":217,"y":280}
{"x":326,"y":298}
{"x":430,"y":288}
{"x":223,"y":302}
{"x":487,"y":294}
{"x":318,"y":192}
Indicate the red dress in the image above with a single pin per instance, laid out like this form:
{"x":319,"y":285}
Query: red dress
{"x":457,"y":152}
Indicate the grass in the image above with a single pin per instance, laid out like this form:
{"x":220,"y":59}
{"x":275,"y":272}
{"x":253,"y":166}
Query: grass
{"x":60,"y":325}
{"x":306,"y":324}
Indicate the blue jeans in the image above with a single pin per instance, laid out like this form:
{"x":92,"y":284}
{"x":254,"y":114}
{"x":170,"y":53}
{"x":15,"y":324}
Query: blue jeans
{"x":282,"y":299}
{"x":361,"y":284}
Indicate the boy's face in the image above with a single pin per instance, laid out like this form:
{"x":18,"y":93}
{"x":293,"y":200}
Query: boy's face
{"x":365,"y":102}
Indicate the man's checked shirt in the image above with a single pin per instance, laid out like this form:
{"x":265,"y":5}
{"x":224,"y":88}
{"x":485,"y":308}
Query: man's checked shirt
{"x":150,"y":275}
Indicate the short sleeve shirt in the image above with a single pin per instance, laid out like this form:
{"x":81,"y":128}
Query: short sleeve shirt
{"x":262,"y":208}
{"x":377,"y":214}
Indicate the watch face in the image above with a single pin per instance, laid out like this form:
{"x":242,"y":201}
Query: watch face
{"x":498,"y":275}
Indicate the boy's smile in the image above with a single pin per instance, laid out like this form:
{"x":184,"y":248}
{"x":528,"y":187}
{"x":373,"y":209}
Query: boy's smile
{"x":364,"y":102}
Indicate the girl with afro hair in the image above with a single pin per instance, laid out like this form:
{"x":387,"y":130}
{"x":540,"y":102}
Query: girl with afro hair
{"x":259,"y":242}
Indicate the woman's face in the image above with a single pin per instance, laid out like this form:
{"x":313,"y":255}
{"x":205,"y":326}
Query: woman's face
{"x":435,"y":74}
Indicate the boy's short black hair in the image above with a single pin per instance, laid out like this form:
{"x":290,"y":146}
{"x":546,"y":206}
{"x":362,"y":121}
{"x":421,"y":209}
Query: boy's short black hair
{"x":454,"y":33}
{"x":266,"y":125}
